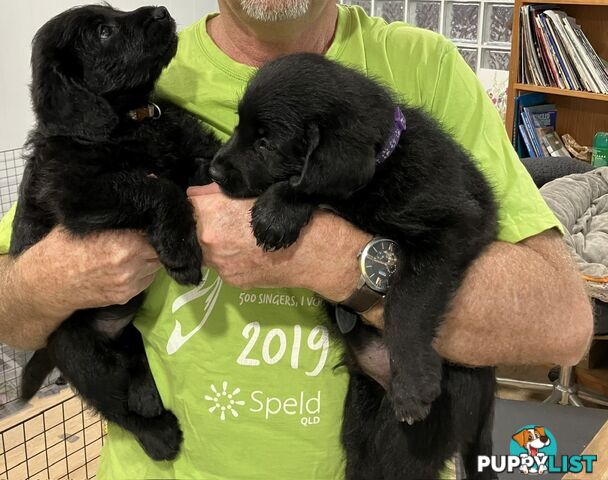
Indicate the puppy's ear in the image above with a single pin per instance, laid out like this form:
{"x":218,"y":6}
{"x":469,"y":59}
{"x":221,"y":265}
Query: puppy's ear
{"x":311,"y":141}
{"x":521,"y":438}
{"x":332,"y":166}
{"x":63,"y":105}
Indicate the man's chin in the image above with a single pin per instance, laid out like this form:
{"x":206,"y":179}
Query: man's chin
{"x":275,"y":10}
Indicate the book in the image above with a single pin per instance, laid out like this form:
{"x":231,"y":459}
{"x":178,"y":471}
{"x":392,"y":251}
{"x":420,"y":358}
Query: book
{"x":556,"y":78}
{"x":540,"y":119}
{"x":535,"y":64}
{"x":531,"y":134}
{"x":543,"y":115}
{"x":537,"y":41}
{"x":573,"y":50}
{"x":583,"y":61}
{"x":560,"y":52}
{"x":526,"y":140}
{"x":555,"y":52}
{"x":521,"y":101}
{"x":597,"y":68}
{"x":554,"y":145}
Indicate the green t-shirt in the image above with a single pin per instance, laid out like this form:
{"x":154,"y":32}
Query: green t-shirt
{"x":250,"y":374}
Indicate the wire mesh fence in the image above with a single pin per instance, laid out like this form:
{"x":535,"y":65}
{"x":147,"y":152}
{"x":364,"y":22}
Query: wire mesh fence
{"x":12,"y":362}
{"x":11,"y":170}
{"x":60,"y":442}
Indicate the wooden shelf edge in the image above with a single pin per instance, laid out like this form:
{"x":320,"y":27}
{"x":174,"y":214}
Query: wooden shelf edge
{"x":561,"y":91}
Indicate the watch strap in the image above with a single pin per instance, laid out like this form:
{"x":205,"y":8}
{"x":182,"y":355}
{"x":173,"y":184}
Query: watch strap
{"x":362,"y":299}
{"x":345,"y":318}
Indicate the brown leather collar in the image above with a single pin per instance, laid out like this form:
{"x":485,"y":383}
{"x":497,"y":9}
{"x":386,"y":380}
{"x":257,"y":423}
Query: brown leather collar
{"x":151,"y":110}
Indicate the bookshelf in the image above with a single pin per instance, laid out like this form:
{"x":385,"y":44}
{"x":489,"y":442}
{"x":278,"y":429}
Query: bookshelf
{"x":580,"y":114}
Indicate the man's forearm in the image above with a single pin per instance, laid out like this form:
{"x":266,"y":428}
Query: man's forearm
{"x":24,"y":322}
{"x":518,"y":304}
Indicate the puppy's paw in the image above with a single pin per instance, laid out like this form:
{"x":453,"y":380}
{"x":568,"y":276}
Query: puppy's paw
{"x":189,"y":275}
{"x":408,"y":406}
{"x":143,"y":397}
{"x":277,"y":225}
{"x":413,"y":390}
{"x":162,"y":437}
{"x":183,"y":259}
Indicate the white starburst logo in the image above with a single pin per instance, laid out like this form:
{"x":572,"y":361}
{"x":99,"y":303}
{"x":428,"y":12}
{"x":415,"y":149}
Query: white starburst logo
{"x":223,"y":401}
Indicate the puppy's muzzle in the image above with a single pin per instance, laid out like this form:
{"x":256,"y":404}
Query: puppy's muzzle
{"x":217,"y":174}
{"x":160,"y":14}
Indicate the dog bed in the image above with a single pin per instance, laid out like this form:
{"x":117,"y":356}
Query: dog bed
{"x":580,"y":202}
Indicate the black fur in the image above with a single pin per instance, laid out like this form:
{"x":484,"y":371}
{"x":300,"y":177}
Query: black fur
{"x":93,"y":168}
{"x":308,"y":134}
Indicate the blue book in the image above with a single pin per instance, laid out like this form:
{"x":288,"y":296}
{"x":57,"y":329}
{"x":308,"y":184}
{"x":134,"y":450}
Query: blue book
{"x":524,"y":136}
{"x":558,"y":50}
{"x":527,"y":121}
{"x":543,"y":115}
{"x":521,"y":101}
{"x":540,"y":120}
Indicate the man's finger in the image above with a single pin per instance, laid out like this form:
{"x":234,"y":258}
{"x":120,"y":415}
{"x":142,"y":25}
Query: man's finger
{"x":203,"y":190}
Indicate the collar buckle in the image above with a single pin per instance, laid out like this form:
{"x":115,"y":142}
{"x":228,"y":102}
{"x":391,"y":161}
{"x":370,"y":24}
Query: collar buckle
{"x":151,"y":110}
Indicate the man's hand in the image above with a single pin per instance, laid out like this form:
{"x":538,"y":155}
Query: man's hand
{"x":323,"y":258}
{"x":63,"y":273}
{"x":101,"y":269}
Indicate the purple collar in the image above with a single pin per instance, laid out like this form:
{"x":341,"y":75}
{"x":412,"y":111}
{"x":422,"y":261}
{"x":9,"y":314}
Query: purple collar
{"x":393,"y":139}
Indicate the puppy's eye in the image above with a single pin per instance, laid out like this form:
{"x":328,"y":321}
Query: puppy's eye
{"x":264,"y":144}
{"x":105,"y":32}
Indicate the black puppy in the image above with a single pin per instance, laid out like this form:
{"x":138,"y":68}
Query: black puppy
{"x":312,"y":132}
{"x":104,"y":157}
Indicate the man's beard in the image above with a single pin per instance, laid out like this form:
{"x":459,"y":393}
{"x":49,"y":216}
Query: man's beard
{"x":275,"y":10}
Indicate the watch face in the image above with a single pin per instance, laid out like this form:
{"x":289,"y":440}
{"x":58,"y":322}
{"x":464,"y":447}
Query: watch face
{"x":379,"y":262}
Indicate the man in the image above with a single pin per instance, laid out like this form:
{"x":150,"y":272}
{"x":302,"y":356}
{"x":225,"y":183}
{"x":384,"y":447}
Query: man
{"x":249,"y":373}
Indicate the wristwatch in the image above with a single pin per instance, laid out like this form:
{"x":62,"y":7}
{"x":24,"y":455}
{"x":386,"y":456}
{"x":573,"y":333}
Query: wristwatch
{"x":378,"y":263}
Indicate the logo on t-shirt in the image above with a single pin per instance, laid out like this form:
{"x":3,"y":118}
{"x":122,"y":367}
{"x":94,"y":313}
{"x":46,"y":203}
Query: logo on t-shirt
{"x":177,"y":339}
{"x":227,"y":403}
{"x":224,"y":401}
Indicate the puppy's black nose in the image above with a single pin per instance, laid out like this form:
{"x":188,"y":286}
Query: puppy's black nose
{"x":217,"y":174}
{"x":160,"y":13}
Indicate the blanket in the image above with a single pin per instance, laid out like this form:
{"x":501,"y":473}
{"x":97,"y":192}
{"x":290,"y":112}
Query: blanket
{"x":580,"y":202}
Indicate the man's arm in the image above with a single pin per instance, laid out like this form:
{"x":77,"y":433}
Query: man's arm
{"x":61,"y":274}
{"x":528,"y":299}
{"x":519,"y":303}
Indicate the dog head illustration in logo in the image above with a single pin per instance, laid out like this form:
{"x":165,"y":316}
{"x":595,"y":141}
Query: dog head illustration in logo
{"x":533,"y":439}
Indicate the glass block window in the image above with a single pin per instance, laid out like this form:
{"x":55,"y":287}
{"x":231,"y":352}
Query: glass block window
{"x":481,"y":29}
{"x":390,"y":10}
{"x":364,"y":4}
{"x":497,"y":24}
{"x":470,"y":56}
{"x":494,"y":59}
{"x":425,"y":14}
{"x":461,"y":21}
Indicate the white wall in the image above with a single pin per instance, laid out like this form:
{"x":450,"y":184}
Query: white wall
{"x":18,"y":23}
